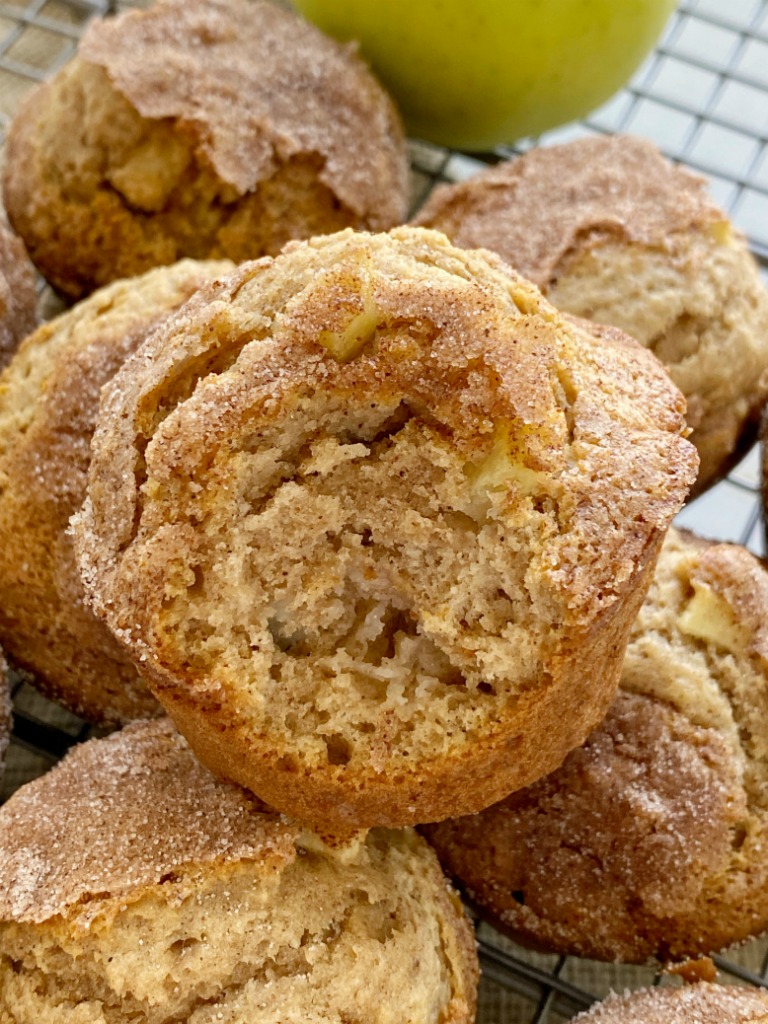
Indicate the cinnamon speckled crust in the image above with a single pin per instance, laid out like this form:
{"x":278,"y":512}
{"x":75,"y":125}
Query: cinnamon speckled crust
{"x":5,"y":712}
{"x":18,"y":295}
{"x":692,"y":1004}
{"x":611,"y":230}
{"x":358,"y":511}
{"x":201,"y":128}
{"x":656,"y":830}
{"x":136,"y":887}
{"x":49,"y":400}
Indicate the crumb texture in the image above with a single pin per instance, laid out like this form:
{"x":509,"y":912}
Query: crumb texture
{"x":612,"y":231}
{"x":201,"y":129}
{"x":290,"y":479}
{"x":204,"y":905}
{"x":692,"y":1004}
{"x":656,"y":827}
{"x":49,"y":400}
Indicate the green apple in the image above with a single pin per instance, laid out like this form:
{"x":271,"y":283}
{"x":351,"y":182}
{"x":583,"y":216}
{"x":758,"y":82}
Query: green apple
{"x":477,"y":73}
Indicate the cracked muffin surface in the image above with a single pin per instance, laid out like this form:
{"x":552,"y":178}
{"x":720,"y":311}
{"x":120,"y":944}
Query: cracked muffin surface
{"x":656,"y":828}
{"x":356,"y":511}
{"x":49,"y":401}
{"x":200,"y":129}
{"x":612,"y":231}
{"x":136,"y":887}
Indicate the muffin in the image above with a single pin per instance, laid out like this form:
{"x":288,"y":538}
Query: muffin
{"x":203,"y":129}
{"x":49,"y":399}
{"x":651,"y":840}
{"x":693,"y":1004}
{"x":18,"y":295}
{"x":612,"y":231}
{"x":363,"y":512}
{"x":135,"y":887}
{"x":5,"y":712}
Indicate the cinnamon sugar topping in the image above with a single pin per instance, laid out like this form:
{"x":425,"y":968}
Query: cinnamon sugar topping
{"x":254,"y":86}
{"x":145,"y":809}
{"x":695,"y":1004}
{"x":582,"y":192}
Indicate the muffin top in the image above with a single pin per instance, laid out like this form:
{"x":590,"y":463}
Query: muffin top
{"x":255,"y":85}
{"x":117,"y":816}
{"x":692,"y":1004}
{"x":205,"y":129}
{"x":575,"y":196}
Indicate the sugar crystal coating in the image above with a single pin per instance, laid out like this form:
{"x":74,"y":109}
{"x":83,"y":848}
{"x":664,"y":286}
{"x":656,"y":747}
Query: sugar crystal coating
{"x":692,"y":1004}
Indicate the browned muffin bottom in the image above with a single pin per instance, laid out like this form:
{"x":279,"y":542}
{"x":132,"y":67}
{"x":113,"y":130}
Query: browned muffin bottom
{"x":361,"y":510}
{"x":612,"y":231}
{"x":49,"y":399}
{"x":650,"y":841}
{"x":5,"y":712}
{"x":134,"y":887}
{"x":18,"y":295}
{"x":199,"y":128}
{"x":693,"y":1004}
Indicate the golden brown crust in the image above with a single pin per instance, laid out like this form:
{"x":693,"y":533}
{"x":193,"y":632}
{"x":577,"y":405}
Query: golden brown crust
{"x":135,"y":886}
{"x":49,"y":399}
{"x":611,"y":230}
{"x":18,"y":295}
{"x":692,"y":1004}
{"x":326,"y":504}
{"x":656,"y":828}
{"x":201,"y":129}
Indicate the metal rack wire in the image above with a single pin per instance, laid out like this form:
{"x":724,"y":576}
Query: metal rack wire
{"x":703,"y":98}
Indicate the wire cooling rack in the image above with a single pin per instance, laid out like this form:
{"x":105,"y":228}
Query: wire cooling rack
{"x":702,"y":96}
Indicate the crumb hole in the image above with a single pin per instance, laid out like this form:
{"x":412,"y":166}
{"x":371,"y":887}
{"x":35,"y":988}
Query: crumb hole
{"x":180,"y":946}
{"x":738,"y":835}
{"x":339,"y":749}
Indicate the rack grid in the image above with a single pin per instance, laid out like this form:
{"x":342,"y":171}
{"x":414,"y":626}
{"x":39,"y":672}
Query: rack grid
{"x":702,"y":96}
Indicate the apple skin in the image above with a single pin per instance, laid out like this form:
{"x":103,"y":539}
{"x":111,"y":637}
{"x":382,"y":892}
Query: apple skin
{"x":474,"y":74}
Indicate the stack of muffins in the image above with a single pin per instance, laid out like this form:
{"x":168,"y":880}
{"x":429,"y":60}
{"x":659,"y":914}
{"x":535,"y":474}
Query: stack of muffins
{"x":353,"y":530}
